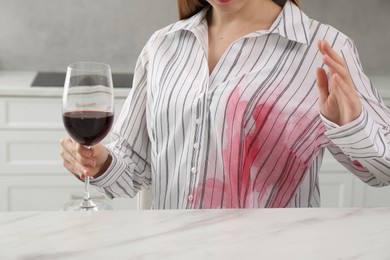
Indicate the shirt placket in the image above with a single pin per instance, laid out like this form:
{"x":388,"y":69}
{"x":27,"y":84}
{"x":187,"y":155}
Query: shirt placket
{"x":199,"y":118}
{"x":196,"y":145}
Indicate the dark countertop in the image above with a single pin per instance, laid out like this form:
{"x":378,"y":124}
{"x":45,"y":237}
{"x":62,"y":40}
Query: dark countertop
{"x":57,"y":79}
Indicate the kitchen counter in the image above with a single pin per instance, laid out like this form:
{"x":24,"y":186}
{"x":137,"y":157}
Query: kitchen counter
{"x":18,"y":83}
{"x":349,"y":233}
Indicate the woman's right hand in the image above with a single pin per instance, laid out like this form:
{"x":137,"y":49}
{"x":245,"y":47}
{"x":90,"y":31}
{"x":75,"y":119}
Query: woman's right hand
{"x":82,"y":161}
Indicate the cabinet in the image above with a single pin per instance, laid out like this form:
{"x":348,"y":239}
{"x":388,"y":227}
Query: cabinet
{"x":31,"y":173}
{"x":340,"y":188}
{"x":32,"y":176}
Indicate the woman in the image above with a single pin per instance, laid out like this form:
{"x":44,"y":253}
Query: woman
{"x":232,"y":107}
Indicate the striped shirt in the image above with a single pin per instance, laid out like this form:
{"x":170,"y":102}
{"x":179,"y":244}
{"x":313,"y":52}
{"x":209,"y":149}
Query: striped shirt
{"x":249,"y":134}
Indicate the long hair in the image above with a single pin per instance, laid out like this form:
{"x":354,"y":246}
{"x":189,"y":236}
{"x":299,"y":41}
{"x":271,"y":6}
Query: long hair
{"x":188,"y":8}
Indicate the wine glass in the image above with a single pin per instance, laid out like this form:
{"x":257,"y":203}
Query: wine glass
{"x":88,"y":114}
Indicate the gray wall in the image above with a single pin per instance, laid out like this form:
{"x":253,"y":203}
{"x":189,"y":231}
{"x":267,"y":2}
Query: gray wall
{"x":50,"y":34}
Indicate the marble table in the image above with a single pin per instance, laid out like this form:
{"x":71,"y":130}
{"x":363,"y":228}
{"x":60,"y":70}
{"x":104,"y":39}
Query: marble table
{"x":314,"y":234}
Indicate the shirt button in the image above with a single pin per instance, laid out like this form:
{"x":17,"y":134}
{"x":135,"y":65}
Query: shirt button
{"x":193,"y":170}
{"x":198,"y":121}
{"x":190,"y":198}
{"x":201,"y":95}
{"x":196,"y":146}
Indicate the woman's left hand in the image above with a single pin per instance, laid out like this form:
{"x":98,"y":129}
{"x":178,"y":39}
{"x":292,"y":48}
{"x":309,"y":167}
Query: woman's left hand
{"x":339,"y":101}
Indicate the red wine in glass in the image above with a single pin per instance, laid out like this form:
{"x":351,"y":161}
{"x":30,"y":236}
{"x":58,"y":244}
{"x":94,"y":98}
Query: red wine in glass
{"x":88,"y":127}
{"x":88,"y":112}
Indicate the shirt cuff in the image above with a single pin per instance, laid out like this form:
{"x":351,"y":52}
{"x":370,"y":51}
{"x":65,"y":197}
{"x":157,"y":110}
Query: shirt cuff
{"x":331,"y":125}
{"x":114,"y":171}
{"x":356,"y":139}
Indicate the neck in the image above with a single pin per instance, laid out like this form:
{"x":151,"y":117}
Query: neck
{"x":261,"y":12}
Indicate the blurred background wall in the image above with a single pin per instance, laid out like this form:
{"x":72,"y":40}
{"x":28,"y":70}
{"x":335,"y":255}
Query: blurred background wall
{"x":47,"y":35}
{"x":367,"y":22}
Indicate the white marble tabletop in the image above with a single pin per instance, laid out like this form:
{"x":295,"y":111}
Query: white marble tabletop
{"x":314,"y":234}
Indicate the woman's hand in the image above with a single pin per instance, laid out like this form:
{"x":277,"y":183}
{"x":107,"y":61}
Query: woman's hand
{"x":339,"y":101}
{"x":82,"y":161}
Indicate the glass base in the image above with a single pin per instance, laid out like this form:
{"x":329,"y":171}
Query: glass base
{"x":86,"y":205}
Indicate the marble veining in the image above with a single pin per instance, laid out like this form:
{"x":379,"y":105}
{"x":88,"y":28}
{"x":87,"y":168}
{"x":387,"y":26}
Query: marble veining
{"x":353,"y":233}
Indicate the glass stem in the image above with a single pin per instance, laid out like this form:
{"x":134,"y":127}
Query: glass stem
{"x":87,"y":195}
{"x":87,"y":203}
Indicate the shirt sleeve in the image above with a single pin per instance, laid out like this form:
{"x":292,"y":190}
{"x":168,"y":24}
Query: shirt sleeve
{"x":130,"y":169}
{"x":363,"y":146}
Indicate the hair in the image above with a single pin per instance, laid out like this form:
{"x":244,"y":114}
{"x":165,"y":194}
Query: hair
{"x":188,"y":8}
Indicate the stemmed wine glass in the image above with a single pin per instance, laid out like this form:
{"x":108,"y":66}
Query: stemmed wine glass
{"x":88,"y":113}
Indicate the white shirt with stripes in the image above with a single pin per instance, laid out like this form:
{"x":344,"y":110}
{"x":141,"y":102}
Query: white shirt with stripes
{"x":249,"y":134}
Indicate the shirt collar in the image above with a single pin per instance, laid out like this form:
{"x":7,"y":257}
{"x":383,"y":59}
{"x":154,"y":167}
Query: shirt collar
{"x":191,"y":23}
{"x":297,"y":30}
{"x":292,"y":23}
